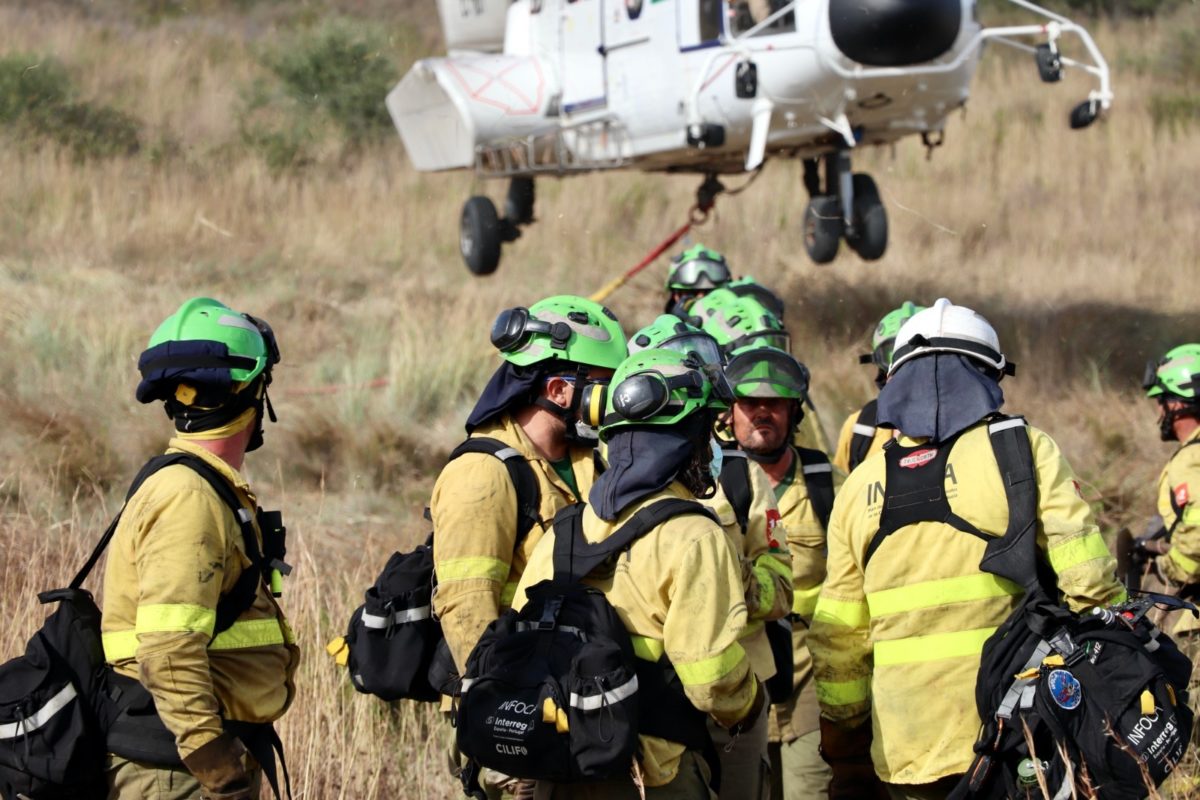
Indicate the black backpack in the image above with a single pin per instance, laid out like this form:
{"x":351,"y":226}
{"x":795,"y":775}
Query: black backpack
{"x":396,"y":647}
{"x":1103,"y":693}
{"x":59,"y":703}
{"x":814,"y":466}
{"x":864,"y":432}
{"x":553,"y":692}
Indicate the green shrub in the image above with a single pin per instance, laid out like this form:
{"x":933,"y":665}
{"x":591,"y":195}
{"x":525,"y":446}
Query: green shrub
{"x":37,"y":102}
{"x":1174,"y":112}
{"x":343,"y":74}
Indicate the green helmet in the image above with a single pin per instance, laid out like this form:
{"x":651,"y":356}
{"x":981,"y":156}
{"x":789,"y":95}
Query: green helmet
{"x":759,"y":370}
{"x":1176,"y":376}
{"x":662,"y":387}
{"x":883,"y":341}
{"x":738,"y":321}
{"x":698,"y":268}
{"x":748,"y":287}
{"x":560,"y":328}
{"x":208,"y":346}
{"x":668,"y":332}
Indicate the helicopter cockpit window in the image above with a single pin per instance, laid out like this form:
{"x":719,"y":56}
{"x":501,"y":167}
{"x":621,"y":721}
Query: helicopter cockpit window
{"x":745,"y":14}
{"x":710,"y":20}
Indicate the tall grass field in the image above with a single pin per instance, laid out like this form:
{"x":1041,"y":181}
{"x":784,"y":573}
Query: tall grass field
{"x":153,"y":150}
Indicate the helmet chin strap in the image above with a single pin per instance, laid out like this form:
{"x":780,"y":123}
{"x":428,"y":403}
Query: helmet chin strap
{"x":570,"y":413}
{"x":1166,"y":425}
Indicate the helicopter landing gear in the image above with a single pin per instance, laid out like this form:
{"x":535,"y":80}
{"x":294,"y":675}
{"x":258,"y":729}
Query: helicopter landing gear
{"x":847,"y":207}
{"x":482,"y":231}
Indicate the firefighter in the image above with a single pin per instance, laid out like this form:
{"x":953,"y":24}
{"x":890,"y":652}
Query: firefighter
{"x":737,"y":321}
{"x":905,"y":609}
{"x":694,"y":273}
{"x":678,"y":589}
{"x":745,"y":507}
{"x":180,"y":561}
{"x":1173,"y":543}
{"x":860,"y":436}
{"x":770,"y":386}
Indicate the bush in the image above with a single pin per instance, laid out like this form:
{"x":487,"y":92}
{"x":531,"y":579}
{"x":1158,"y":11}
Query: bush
{"x":1174,"y":112}
{"x":37,"y":101}
{"x":340,"y":73}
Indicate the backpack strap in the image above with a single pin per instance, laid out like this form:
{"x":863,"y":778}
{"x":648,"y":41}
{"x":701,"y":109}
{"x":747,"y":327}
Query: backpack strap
{"x":1015,"y":554}
{"x":818,"y":479}
{"x":864,"y":433}
{"x":575,"y":557}
{"x":529,"y":497}
{"x":232,"y":604}
{"x":735,"y":483}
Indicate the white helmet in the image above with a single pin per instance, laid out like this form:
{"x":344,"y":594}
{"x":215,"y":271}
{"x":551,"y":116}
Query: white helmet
{"x":947,"y":328}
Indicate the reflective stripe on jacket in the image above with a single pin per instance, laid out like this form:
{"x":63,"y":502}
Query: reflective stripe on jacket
{"x":678,"y":590}
{"x":176,"y":551}
{"x":903,"y":640}
{"x":474,"y":510}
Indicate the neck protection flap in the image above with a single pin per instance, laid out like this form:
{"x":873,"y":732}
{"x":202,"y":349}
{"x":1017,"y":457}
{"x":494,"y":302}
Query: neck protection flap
{"x":641,"y":461}
{"x":937,"y":396}
{"x":509,"y":386}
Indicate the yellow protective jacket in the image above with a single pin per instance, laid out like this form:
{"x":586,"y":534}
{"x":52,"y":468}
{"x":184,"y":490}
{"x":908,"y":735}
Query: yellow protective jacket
{"x":765,"y":562}
{"x":811,"y":433}
{"x":678,"y":589}
{"x":176,"y":551}
{"x":474,"y":509}
{"x":880,"y":437}
{"x":798,"y":714}
{"x":903,"y":639}
{"x":1179,"y":506}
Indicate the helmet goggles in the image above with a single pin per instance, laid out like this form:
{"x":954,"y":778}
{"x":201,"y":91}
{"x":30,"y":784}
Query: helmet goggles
{"x":514,"y":326}
{"x":699,"y":273}
{"x":702,"y":345}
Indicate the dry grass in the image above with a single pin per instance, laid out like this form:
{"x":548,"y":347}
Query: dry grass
{"x":1080,"y":246}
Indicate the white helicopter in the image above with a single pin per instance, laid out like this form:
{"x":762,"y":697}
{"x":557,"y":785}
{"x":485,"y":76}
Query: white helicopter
{"x":715,"y":87}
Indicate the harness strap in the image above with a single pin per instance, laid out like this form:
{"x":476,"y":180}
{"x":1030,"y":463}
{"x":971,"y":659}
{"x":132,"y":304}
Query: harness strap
{"x":529,"y":496}
{"x":818,"y":479}
{"x":735,"y":483}
{"x":864,"y":432}
{"x":575,"y":557}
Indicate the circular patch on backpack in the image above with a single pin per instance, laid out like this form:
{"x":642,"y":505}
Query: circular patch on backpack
{"x":1065,"y":689}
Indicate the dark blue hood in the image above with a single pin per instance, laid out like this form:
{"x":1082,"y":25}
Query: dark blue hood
{"x":936,"y":396}
{"x":641,"y":461}
{"x":508,"y":387}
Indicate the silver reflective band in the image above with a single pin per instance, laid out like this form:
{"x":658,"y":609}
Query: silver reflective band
{"x":507,"y":453}
{"x":403,"y":615}
{"x":21,"y":727}
{"x":612,"y":696}
{"x":1006,"y":424}
{"x":243,"y":515}
{"x":467,"y":683}
{"x":732,"y":453}
{"x":816,"y":469}
{"x":864,"y":430}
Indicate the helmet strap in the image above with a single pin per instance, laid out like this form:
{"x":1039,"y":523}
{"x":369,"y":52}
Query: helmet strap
{"x":1166,"y":425}
{"x":570,"y":414}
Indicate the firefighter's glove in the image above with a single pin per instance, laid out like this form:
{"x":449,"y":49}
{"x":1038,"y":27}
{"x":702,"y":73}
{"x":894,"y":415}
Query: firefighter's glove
{"x":847,"y":750}
{"x":756,"y":707}
{"x":220,"y":768}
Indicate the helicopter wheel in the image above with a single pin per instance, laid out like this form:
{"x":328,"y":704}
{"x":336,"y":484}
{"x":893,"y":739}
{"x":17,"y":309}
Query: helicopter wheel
{"x":870,"y":220}
{"x":822,"y":228}
{"x":479,"y":235}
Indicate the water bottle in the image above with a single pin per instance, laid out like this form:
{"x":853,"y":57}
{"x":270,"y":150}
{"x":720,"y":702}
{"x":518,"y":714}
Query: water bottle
{"x":1027,"y":773}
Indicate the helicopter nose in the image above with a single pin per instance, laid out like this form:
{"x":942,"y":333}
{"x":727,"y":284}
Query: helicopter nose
{"x":894,"y":33}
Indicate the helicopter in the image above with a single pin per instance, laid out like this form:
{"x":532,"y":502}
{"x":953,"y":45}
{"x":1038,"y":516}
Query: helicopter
{"x":535,"y":88}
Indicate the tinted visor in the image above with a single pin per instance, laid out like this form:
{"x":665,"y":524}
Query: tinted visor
{"x":780,"y":340}
{"x":768,"y":368}
{"x":700,"y":274}
{"x":268,"y":336}
{"x":1150,"y":376}
{"x":704,"y":346}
